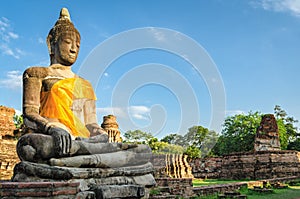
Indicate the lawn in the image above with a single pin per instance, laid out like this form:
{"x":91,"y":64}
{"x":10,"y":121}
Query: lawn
{"x":207,"y":182}
{"x":292,"y":192}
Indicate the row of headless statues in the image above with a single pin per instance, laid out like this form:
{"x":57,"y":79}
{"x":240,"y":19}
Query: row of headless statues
{"x":65,"y":142}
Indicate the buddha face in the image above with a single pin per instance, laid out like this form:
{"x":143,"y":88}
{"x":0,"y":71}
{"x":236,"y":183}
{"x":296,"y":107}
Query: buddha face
{"x":66,"y":49}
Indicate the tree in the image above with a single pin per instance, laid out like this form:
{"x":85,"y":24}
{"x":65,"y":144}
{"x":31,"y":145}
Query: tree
{"x":195,"y":136}
{"x":164,"y":147}
{"x":193,"y":152}
{"x":288,"y":122}
{"x":238,"y":133}
{"x":174,"y":139}
{"x":18,"y":120}
{"x":137,"y":136}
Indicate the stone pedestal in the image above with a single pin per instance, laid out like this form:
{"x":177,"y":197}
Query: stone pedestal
{"x":121,"y":182}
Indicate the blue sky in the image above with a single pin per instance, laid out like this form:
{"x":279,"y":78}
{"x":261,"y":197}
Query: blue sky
{"x":253,"y":44}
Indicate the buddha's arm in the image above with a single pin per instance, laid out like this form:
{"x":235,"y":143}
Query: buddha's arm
{"x":32,"y":83}
{"x":90,"y":118}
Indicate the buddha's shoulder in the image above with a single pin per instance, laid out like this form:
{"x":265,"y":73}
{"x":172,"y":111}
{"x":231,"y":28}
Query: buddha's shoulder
{"x":36,"y":71}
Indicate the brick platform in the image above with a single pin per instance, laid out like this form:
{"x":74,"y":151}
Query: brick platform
{"x":9,"y":190}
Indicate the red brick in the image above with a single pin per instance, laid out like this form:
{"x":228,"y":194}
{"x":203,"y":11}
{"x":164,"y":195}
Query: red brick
{"x":64,"y":192}
{"x":8,"y":185}
{"x":35,"y":185}
{"x":33,"y":194}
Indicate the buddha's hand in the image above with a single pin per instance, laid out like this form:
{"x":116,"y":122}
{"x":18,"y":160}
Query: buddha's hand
{"x":62,"y":141}
{"x":100,"y":138}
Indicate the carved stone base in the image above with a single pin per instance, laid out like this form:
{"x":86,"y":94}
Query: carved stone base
{"x":116,"y":191}
{"x":122,"y":182}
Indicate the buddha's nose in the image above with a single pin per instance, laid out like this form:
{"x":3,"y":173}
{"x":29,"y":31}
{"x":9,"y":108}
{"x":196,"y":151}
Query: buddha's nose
{"x":73,"y":48}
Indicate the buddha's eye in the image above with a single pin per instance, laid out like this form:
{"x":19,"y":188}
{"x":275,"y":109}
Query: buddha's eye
{"x":68,"y":41}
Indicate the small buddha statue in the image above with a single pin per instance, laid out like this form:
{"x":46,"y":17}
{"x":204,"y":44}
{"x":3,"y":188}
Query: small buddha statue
{"x":59,"y":107}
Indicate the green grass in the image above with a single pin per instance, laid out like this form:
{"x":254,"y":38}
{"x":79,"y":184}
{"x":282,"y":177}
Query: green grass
{"x":292,"y":192}
{"x":207,"y":182}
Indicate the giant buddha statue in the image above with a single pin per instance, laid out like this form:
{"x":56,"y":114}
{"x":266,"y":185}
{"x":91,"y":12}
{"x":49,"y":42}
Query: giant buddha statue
{"x":65,"y":141}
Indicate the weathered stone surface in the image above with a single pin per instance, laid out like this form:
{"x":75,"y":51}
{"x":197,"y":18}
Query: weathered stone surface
{"x":8,"y":158}
{"x":171,"y":165}
{"x":267,"y":136}
{"x":66,"y":173}
{"x":7,"y":125}
{"x":175,"y":187}
{"x":259,"y":165}
{"x":111,"y":126}
{"x":58,"y":190}
{"x":114,"y":191}
{"x":106,"y":160}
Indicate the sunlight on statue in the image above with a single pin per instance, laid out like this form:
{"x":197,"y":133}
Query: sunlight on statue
{"x":59,"y":109}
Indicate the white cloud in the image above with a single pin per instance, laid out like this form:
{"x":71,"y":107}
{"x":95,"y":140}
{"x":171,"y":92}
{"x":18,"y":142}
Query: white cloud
{"x":136,"y":112}
{"x":13,"y":35}
{"x":41,"y":40}
{"x":6,"y":35}
{"x":235,"y":112}
{"x":6,"y":50}
{"x":290,"y":6}
{"x":158,"y":35}
{"x":13,"y":80}
{"x":4,"y":22}
{"x":119,"y":112}
{"x":139,"y":112}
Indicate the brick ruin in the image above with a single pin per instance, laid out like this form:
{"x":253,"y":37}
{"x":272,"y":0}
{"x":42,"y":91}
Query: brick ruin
{"x":7,"y":125}
{"x":267,"y":160}
{"x":249,"y":165}
{"x":267,"y":136}
{"x":171,"y":166}
{"x":111,"y":126}
{"x":8,"y":155}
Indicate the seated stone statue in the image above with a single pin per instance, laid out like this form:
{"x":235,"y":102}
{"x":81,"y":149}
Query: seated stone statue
{"x":59,"y":109}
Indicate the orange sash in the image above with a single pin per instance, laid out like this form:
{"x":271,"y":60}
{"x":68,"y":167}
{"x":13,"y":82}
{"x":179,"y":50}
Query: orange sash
{"x":57,"y":103}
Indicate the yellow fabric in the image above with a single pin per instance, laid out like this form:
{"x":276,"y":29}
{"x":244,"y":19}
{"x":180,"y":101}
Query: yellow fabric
{"x":57,"y":103}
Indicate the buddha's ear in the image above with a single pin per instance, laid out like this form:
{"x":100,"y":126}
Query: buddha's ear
{"x":49,"y":44}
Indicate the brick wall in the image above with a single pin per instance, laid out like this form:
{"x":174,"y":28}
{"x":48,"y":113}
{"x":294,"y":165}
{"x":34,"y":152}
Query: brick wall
{"x":258,"y":165}
{"x":8,"y":158}
{"x":38,"y":190}
{"x":8,"y":154}
{"x":7,"y":126}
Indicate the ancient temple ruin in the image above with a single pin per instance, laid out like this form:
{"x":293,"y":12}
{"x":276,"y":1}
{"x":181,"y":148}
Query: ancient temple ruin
{"x":267,"y":136}
{"x":8,"y":155}
{"x":111,"y":126}
{"x":7,"y":125}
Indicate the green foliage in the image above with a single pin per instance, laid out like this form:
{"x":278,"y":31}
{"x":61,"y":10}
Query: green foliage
{"x":164,"y":147}
{"x":174,"y":139}
{"x":137,"y":136}
{"x":294,"y":145}
{"x":283,"y":137}
{"x":18,"y":121}
{"x":288,"y":122}
{"x":193,"y":152}
{"x":195,"y":136}
{"x":238,"y":133}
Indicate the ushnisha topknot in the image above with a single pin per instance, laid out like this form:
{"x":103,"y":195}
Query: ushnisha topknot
{"x":62,"y":25}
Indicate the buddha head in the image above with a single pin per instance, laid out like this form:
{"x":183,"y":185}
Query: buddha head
{"x":63,"y":41}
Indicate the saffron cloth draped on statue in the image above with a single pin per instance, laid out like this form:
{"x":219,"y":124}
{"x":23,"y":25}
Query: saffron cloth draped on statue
{"x":57,"y":103}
